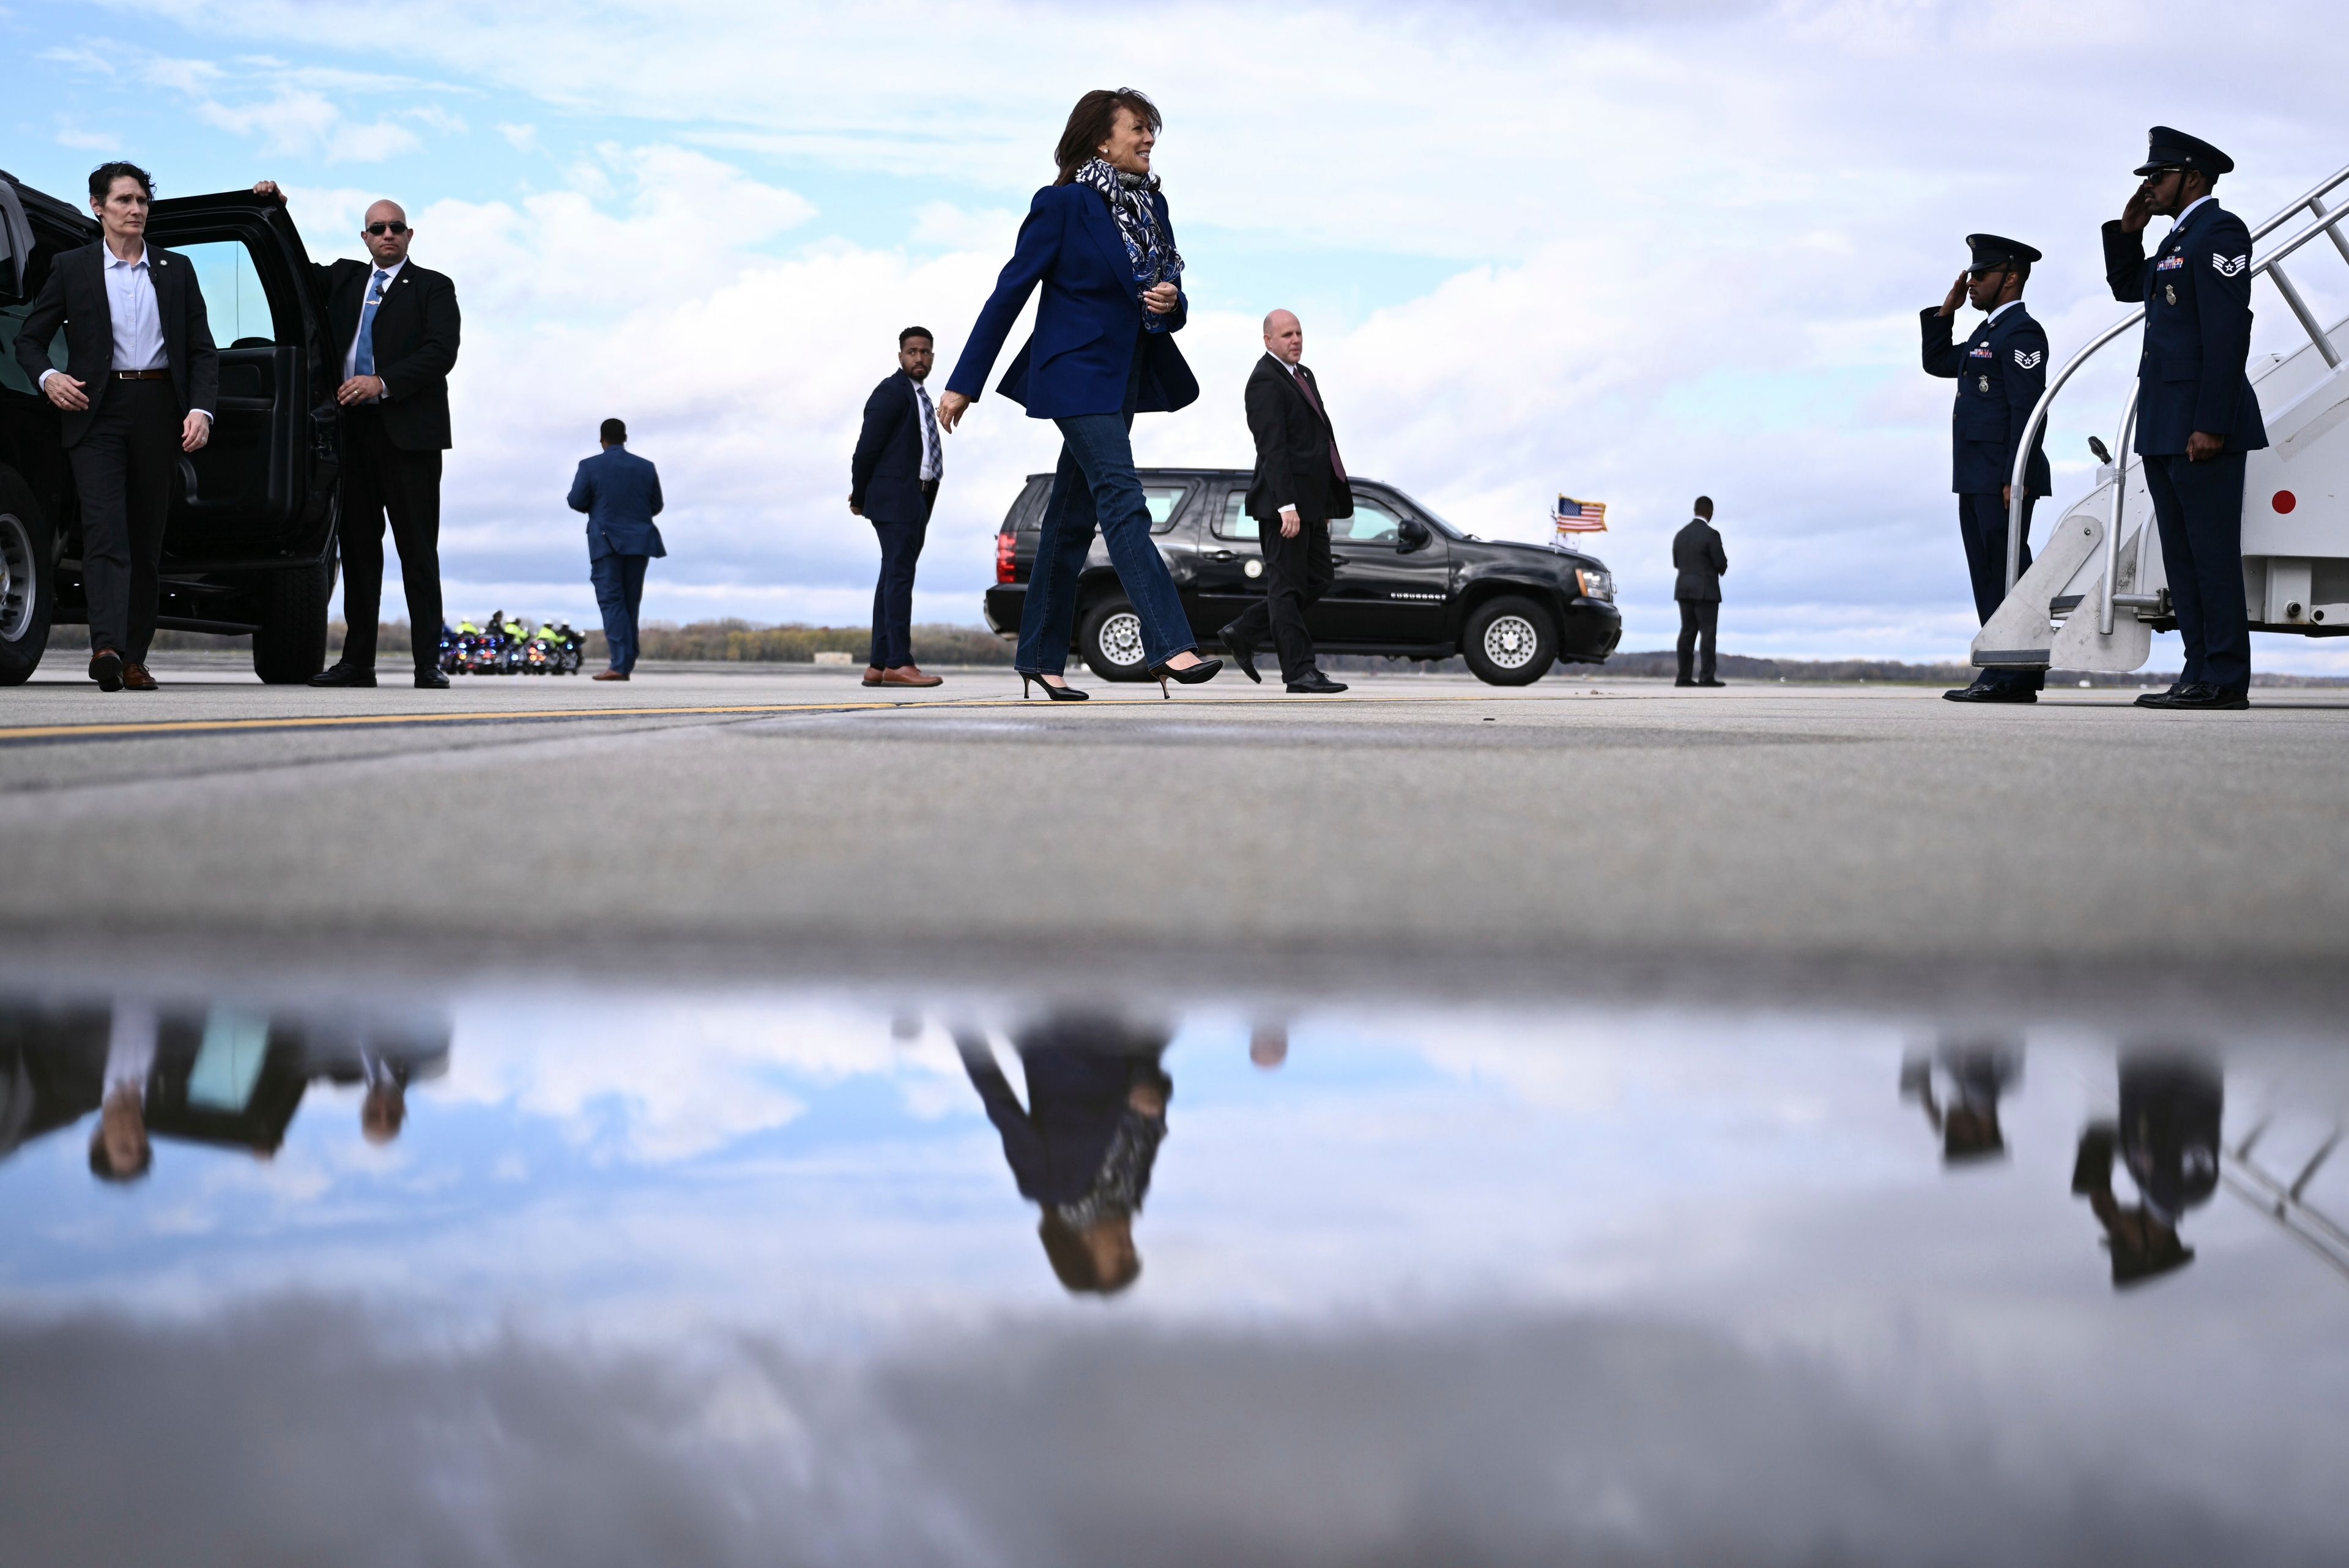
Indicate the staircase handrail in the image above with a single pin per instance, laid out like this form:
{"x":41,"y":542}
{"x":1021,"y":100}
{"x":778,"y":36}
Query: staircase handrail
{"x":2327,"y":223}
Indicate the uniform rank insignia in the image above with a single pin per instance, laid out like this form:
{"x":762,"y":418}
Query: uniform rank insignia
{"x":2228,"y":269}
{"x":2029,"y":361}
{"x":2171,"y":263}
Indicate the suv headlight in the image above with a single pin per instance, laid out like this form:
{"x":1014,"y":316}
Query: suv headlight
{"x":1595,"y":583}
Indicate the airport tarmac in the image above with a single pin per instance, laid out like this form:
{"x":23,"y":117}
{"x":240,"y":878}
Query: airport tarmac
{"x":1424,"y":821}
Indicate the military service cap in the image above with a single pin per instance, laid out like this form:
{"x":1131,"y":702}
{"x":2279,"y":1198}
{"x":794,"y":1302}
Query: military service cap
{"x":2170,"y":149}
{"x":1997,"y":250}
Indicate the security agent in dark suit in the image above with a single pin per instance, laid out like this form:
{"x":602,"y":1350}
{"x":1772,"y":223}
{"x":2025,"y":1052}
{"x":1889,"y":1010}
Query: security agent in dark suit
{"x":2000,"y":370}
{"x":2196,"y":415}
{"x":1298,"y":486}
{"x":1702,"y":563}
{"x":137,"y":390}
{"x":397,"y":325}
{"x":621,"y":494}
{"x":892,"y":482}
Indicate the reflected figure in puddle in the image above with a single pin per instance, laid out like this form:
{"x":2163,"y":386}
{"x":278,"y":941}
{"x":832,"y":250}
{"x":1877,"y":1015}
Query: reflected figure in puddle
{"x":1978,"y":1075}
{"x":221,"y":1075}
{"x":52,"y":1070}
{"x":1082,"y":1146}
{"x":2167,"y":1138}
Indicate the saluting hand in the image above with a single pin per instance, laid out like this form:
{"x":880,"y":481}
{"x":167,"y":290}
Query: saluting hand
{"x":195,"y":431}
{"x":950,"y":408}
{"x":2139,"y":210}
{"x":1955,"y":297}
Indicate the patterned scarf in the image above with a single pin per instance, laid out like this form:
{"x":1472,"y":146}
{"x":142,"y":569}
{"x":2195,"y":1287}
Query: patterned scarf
{"x":1153,"y":256}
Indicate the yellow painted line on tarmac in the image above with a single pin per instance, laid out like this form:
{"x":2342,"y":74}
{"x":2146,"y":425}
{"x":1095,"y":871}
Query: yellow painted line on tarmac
{"x":166,"y":727}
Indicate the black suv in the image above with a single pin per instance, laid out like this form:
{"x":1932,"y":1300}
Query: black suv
{"x":250,"y":547}
{"x":1409,"y":585}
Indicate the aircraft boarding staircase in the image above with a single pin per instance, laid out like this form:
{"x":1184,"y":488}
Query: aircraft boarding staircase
{"x":2096,"y":592}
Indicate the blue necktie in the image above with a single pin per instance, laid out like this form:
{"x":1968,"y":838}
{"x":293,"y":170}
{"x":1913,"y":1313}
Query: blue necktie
{"x":362,"y":357}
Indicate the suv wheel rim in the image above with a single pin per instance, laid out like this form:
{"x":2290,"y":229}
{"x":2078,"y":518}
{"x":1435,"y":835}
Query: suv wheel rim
{"x":1510,"y":641}
{"x":1121,"y":640}
{"x":17,"y":577}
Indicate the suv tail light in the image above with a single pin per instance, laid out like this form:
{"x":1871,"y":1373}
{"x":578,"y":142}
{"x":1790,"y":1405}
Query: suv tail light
{"x":1007,"y":556}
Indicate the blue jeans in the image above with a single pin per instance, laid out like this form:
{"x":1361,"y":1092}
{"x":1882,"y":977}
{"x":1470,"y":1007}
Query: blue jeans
{"x":619,"y":589}
{"x":1095,"y":485}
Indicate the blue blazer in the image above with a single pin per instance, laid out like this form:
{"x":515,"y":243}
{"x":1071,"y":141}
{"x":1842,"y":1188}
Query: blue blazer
{"x":1088,"y":321}
{"x":884,"y":475}
{"x":2197,"y":293}
{"x":620,"y":492}
{"x":2000,"y":372}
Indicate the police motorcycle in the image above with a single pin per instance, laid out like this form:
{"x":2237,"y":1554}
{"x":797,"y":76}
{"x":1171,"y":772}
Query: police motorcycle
{"x":451,"y":654}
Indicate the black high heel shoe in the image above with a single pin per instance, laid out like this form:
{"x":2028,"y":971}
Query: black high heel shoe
{"x":1056,"y":693}
{"x":1197,"y":674}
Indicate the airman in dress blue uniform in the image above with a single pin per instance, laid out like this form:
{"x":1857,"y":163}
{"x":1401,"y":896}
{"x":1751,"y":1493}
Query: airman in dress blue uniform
{"x":2000,"y":372}
{"x":2196,"y":415}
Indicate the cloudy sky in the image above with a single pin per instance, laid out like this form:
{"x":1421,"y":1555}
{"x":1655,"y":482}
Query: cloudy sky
{"x":1627,"y":252}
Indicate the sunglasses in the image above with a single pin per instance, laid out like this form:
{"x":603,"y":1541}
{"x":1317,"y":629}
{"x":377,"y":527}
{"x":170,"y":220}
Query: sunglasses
{"x":386,"y":228}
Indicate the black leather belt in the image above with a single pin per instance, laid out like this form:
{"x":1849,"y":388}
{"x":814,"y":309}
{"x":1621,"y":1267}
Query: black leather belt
{"x":140,"y":375}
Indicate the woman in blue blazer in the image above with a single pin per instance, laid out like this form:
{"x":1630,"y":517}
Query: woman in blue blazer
{"x":1099,"y":241}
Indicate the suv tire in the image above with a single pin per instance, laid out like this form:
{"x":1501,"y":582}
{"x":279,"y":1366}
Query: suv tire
{"x":27,"y":581}
{"x":289,"y":645}
{"x":1509,"y":641}
{"x":1110,"y":641}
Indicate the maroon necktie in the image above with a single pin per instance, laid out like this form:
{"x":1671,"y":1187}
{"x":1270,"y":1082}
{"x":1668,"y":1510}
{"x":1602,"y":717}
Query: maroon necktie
{"x":1305,"y":386}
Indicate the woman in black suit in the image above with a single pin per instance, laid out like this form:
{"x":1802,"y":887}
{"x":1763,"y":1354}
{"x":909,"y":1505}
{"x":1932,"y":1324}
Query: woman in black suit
{"x":1099,"y":241}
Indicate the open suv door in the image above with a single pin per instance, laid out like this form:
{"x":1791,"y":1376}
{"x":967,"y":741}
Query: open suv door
{"x":250,"y":544}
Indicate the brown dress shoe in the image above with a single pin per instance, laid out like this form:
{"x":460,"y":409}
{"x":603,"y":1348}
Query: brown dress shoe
{"x":872,"y":675}
{"x":910,"y":675}
{"x":106,"y":669}
{"x":136,"y":679}
{"x":610,"y":675}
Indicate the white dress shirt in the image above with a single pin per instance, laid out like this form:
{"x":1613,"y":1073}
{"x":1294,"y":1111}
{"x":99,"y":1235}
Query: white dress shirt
{"x":931,"y":470}
{"x":2002,"y":310}
{"x":351,"y":353}
{"x":2188,"y":212}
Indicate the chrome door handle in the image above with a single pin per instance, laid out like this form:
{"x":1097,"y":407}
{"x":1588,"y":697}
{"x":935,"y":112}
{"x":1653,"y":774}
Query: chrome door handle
{"x":1224,"y":556}
{"x":1337,"y":560}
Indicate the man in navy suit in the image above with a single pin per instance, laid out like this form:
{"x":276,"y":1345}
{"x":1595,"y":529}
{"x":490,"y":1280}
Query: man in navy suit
{"x":893,"y":483}
{"x":621,"y":494}
{"x":2197,"y":414}
{"x":2000,"y":372}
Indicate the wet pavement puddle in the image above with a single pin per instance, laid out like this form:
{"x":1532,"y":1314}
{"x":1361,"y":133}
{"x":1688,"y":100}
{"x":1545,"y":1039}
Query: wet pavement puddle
{"x":576,"y":1274}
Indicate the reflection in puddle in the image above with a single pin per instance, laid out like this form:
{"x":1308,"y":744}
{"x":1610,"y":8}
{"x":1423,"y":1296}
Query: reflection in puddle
{"x":596,"y":1277}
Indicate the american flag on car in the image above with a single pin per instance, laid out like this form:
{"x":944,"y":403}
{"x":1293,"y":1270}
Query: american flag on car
{"x":1573,"y":516}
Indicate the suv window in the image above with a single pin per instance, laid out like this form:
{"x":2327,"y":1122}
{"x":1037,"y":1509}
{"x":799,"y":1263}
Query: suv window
{"x":1164,"y":500}
{"x":1373,"y":522}
{"x":12,"y":375}
{"x":1235,"y":523}
{"x":235,"y":304}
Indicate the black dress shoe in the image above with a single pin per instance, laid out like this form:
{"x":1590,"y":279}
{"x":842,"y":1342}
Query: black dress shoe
{"x":1982,"y":691}
{"x":342,"y":674}
{"x":2160,"y":699}
{"x":428,"y":681}
{"x":2211,"y":699}
{"x":1685,"y":681}
{"x":1242,"y":654}
{"x":1315,"y":685}
{"x":1709,"y":680}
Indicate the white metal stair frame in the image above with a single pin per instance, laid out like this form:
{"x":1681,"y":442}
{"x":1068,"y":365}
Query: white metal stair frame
{"x":2295,"y":512}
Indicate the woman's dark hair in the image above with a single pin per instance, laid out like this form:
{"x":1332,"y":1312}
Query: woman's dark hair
{"x":102,"y":179}
{"x":1072,"y":1261}
{"x":1091,"y":123}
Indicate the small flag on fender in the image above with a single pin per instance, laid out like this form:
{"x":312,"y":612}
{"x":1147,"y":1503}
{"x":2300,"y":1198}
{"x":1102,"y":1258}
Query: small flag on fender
{"x":1573,"y":516}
